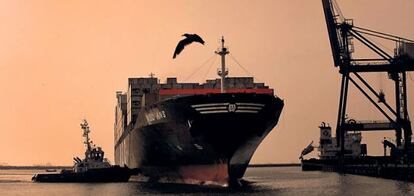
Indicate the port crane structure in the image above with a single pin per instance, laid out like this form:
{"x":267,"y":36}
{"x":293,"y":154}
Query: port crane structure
{"x":342,"y":35}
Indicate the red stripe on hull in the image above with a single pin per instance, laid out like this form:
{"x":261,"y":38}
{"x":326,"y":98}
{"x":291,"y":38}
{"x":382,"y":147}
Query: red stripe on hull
{"x":208,"y":174}
{"x":205,"y":174}
{"x":212,"y":91}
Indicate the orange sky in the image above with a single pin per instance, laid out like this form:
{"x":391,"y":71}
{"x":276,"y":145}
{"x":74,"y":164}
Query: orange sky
{"x":62,"y":61}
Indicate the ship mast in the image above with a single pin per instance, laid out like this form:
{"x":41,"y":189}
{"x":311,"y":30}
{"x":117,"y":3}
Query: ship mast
{"x":86,"y":131}
{"x":223,"y":72}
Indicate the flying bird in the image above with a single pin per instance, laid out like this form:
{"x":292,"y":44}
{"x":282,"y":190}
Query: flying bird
{"x":189,"y":38}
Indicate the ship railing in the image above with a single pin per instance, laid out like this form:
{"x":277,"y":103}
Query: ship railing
{"x":367,"y":121}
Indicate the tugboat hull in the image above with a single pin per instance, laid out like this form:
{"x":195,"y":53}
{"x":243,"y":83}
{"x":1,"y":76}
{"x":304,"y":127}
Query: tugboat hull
{"x":113,"y":174}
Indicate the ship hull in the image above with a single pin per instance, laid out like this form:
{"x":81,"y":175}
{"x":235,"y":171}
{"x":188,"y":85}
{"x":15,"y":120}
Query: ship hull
{"x":200,"y":138}
{"x":112,"y":174}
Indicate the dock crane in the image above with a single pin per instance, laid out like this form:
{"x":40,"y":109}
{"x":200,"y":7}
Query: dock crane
{"x":342,"y":33}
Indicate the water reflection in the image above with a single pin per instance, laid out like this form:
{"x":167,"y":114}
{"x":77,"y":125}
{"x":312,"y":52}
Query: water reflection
{"x":170,"y":188}
{"x":404,"y":187}
{"x":263,"y":181}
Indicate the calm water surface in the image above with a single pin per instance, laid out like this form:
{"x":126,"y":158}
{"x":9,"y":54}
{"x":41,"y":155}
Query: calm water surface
{"x":264,"y":181}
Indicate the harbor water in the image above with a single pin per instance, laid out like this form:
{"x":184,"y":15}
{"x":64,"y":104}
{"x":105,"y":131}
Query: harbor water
{"x":263,"y":181}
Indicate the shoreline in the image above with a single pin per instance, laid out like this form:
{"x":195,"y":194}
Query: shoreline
{"x":34,"y":167}
{"x":70,"y":167}
{"x":275,"y":165}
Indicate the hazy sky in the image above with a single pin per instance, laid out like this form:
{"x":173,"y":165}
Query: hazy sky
{"x":62,"y":61}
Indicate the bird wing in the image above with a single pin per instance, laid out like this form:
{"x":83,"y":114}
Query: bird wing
{"x":197,"y":38}
{"x":181,"y":45}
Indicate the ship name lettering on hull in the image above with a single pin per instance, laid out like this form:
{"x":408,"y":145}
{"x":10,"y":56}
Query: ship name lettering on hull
{"x":154,"y":115}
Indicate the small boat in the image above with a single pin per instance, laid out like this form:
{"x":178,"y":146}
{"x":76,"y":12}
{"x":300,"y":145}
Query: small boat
{"x":93,"y":168}
{"x":50,"y":170}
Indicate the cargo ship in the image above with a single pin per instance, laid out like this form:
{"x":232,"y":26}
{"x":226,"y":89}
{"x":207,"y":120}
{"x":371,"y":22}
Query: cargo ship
{"x":193,"y":133}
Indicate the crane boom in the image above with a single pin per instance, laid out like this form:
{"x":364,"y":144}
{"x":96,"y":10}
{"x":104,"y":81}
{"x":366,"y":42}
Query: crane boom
{"x":334,"y":36}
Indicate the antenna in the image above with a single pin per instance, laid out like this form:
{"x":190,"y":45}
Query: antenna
{"x":85,"y":127}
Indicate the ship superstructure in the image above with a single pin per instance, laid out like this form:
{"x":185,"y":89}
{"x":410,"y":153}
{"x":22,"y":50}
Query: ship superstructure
{"x":328,"y":148}
{"x":94,"y":156}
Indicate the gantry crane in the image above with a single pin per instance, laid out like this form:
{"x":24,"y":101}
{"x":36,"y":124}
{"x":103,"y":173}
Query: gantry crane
{"x":342,"y":34}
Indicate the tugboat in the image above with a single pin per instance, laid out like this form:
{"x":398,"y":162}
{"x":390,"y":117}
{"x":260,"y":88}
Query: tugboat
{"x":93,"y":168}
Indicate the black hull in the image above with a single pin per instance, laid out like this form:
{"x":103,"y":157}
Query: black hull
{"x":200,"y":138}
{"x":113,"y":174}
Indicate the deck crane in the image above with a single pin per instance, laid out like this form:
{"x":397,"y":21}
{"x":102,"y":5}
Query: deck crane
{"x":342,"y":34}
